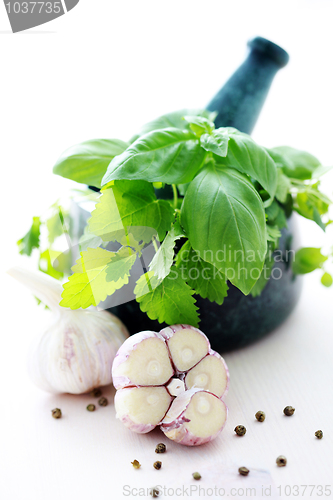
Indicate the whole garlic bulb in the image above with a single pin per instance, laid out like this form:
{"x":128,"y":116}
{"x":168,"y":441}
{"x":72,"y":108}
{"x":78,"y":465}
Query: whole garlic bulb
{"x":76,"y":352}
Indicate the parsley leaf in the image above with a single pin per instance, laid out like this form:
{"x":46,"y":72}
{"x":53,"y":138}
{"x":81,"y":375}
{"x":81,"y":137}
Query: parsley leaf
{"x":97,"y":274}
{"x":202,"y":276}
{"x":169,"y":301}
{"x":163,"y":259}
{"x":31,"y":239}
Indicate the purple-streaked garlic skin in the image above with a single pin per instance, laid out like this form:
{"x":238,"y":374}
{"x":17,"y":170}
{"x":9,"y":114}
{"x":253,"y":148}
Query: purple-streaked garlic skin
{"x":138,"y":428}
{"x":219,"y":357}
{"x":186,"y":438}
{"x":168,"y":334}
{"x":174,"y":423}
{"x":75,"y":353}
{"x":119,"y":380}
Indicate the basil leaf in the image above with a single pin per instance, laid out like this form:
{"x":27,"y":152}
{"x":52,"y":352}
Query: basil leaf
{"x":295,"y":163}
{"x":200,"y":125}
{"x":169,"y":301}
{"x":87,"y":162}
{"x":249,"y":158}
{"x":216,"y":142}
{"x":320,"y":171}
{"x":130,"y":203}
{"x":224,"y":219}
{"x":283,"y":186}
{"x":307,"y":260}
{"x":170,"y":155}
{"x":174,"y":119}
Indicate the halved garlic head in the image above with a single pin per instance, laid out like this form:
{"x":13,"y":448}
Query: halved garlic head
{"x":173,"y":379}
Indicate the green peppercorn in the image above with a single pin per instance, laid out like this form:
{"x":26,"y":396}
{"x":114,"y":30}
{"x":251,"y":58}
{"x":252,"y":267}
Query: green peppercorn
{"x":56,"y":413}
{"x":196,"y":476}
{"x":157,"y":465}
{"x":243,"y":471}
{"x":319,"y":434}
{"x":103,"y":402}
{"x":240,"y":430}
{"x":281,"y":461}
{"x":160,"y":448}
{"x":96,"y":393}
{"x":260,"y":416}
{"x":155,"y":492}
{"x":136,"y":464}
{"x":91,"y":407}
{"x":289,"y":410}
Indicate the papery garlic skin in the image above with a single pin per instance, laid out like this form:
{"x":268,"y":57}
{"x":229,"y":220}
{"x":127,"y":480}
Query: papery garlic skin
{"x":75,"y":354}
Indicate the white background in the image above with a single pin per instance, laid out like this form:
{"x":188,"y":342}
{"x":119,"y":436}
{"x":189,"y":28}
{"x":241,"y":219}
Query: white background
{"x":102,"y":70}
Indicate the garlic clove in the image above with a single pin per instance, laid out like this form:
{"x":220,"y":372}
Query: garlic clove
{"x":143,"y":360}
{"x":195,"y":417}
{"x":187,"y":345}
{"x":211,"y":374}
{"x":141,"y":409}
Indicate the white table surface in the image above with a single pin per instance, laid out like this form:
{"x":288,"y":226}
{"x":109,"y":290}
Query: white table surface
{"x":88,"y":455}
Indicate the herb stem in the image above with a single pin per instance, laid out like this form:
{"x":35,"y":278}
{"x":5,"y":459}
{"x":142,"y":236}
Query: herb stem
{"x":175,"y":195}
{"x":130,"y":249}
{"x":155,"y":244}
